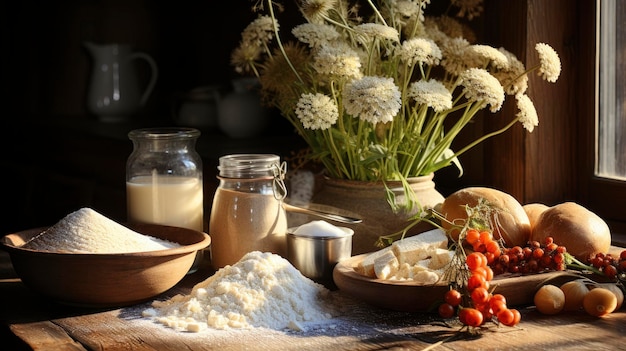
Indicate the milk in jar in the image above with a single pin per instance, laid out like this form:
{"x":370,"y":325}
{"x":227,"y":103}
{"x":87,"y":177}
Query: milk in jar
{"x":164,"y":179}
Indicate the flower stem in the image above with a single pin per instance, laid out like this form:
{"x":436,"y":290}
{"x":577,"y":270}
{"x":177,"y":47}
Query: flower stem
{"x":280,"y":43}
{"x":375,"y":9}
{"x":486,"y":136}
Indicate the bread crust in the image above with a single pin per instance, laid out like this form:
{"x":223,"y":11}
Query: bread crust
{"x":514,"y":225}
{"x":582,"y":232}
{"x":534,"y":210}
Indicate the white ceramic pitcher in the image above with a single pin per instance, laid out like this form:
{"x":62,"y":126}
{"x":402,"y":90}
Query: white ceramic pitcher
{"x":114,"y":90}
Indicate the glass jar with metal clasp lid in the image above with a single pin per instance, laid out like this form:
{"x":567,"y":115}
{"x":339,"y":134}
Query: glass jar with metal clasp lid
{"x":247,"y":212}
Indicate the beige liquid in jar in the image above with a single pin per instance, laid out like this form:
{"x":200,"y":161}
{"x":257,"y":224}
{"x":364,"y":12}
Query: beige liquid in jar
{"x":244,"y":222}
{"x":167,"y":200}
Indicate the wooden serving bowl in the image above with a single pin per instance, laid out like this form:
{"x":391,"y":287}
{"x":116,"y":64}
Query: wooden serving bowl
{"x":106,"y":280}
{"x":410,"y":296}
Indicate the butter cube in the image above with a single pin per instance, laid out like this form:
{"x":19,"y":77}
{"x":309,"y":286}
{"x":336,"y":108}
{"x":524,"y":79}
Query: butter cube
{"x":440,"y":258}
{"x":386,"y":265}
{"x":418,"y":247}
{"x":366,"y":266}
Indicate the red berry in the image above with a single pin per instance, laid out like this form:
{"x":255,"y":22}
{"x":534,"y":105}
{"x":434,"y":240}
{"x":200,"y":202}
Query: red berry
{"x":471,"y":317}
{"x":476,"y":281}
{"x":610,"y":271}
{"x":453,"y":297}
{"x":446,"y":310}
{"x":480,"y":296}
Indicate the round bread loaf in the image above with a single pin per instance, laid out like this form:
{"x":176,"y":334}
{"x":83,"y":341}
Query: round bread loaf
{"x":510,"y":220}
{"x":534,"y":210}
{"x":582,"y":232}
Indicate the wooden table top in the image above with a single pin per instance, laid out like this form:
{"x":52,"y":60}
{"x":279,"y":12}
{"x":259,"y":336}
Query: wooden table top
{"x":30,"y":322}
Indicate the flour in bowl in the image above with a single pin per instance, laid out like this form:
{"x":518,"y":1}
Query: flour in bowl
{"x":260,"y":290}
{"x":88,"y":231}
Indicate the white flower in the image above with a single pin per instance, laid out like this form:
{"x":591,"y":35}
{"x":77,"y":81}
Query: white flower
{"x":527,"y":114}
{"x":432,"y":31}
{"x":375,"y":30}
{"x":337,"y":60}
{"x":419,"y":50}
{"x":431,"y":93}
{"x":454,"y":55}
{"x":405,"y":10}
{"x":480,"y":86}
{"x":372,"y":99}
{"x":485,"y":55}
{"x":512,"y":78}
{"x":316,"y":111}
{"x":259,"y":32}
{"x":550,"y":63}
{"x":314,"y":34}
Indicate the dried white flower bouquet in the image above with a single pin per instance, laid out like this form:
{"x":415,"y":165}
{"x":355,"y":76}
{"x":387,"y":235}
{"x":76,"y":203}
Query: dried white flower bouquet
{"x":370,"y":97}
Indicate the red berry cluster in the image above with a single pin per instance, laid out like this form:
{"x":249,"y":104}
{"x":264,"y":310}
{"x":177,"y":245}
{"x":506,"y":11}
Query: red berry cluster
{"x":533,"y":257}
{"x":482,"y":241}
{"x":480,"y":304}
{"x":609,"y":265}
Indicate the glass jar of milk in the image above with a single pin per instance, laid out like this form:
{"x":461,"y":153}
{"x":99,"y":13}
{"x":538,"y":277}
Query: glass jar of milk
{"x":164,"y":179}
{"x":247,"y":212}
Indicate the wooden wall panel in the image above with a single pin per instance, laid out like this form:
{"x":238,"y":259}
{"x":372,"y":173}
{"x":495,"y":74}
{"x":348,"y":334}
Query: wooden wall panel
{"x":540,"y":166}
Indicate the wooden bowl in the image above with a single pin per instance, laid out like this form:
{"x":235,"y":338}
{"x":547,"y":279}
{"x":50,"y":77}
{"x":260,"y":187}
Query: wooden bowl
{"x":410,"y":296}
{"x":106,"y":280}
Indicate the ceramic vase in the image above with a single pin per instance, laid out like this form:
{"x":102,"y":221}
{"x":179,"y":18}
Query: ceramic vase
{"x":368,"y":199}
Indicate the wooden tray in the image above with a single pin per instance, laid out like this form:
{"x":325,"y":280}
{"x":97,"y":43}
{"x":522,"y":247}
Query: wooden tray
{"x":408,"y":296}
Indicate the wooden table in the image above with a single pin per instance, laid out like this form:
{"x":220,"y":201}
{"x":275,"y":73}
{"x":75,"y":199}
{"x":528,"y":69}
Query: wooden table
{"x":30,"y":322}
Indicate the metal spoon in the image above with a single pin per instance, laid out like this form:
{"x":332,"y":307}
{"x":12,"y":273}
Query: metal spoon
{"x":324,"y":211}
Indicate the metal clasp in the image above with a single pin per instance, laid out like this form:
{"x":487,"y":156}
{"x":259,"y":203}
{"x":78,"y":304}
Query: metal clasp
{"x":278,"y":184}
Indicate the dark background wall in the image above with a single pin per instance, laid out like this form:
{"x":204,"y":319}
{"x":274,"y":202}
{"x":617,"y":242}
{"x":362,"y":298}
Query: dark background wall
{"x":45,"y":68}
{"x":57,"y":157}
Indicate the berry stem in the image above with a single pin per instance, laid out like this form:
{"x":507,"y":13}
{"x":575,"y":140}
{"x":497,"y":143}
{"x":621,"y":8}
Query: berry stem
{"x":574,"y":263}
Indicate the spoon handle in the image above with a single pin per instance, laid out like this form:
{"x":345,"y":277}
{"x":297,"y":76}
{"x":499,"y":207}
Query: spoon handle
{"x":352,"y":219}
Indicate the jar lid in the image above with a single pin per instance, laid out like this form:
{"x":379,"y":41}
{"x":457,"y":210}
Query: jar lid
{"x":248,"y":165}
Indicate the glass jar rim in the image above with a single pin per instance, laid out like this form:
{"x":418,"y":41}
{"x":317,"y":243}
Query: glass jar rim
{"x":248,"y":165}
{"x":164,"y":133}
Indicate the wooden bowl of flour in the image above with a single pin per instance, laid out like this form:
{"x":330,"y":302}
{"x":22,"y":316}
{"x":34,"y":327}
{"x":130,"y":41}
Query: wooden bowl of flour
{"x":106,"y":279}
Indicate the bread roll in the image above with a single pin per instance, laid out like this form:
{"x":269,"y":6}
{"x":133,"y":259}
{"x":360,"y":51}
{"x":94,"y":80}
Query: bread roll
{"x":513,"y":225}
{"x":534,"y":210}
{"x":582,"y":232}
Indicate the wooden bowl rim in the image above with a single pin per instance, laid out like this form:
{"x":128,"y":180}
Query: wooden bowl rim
{"x":25,"y":235}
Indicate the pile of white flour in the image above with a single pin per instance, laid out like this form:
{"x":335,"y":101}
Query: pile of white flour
{"x":88,"y":231}
{"x":260,"y":290}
